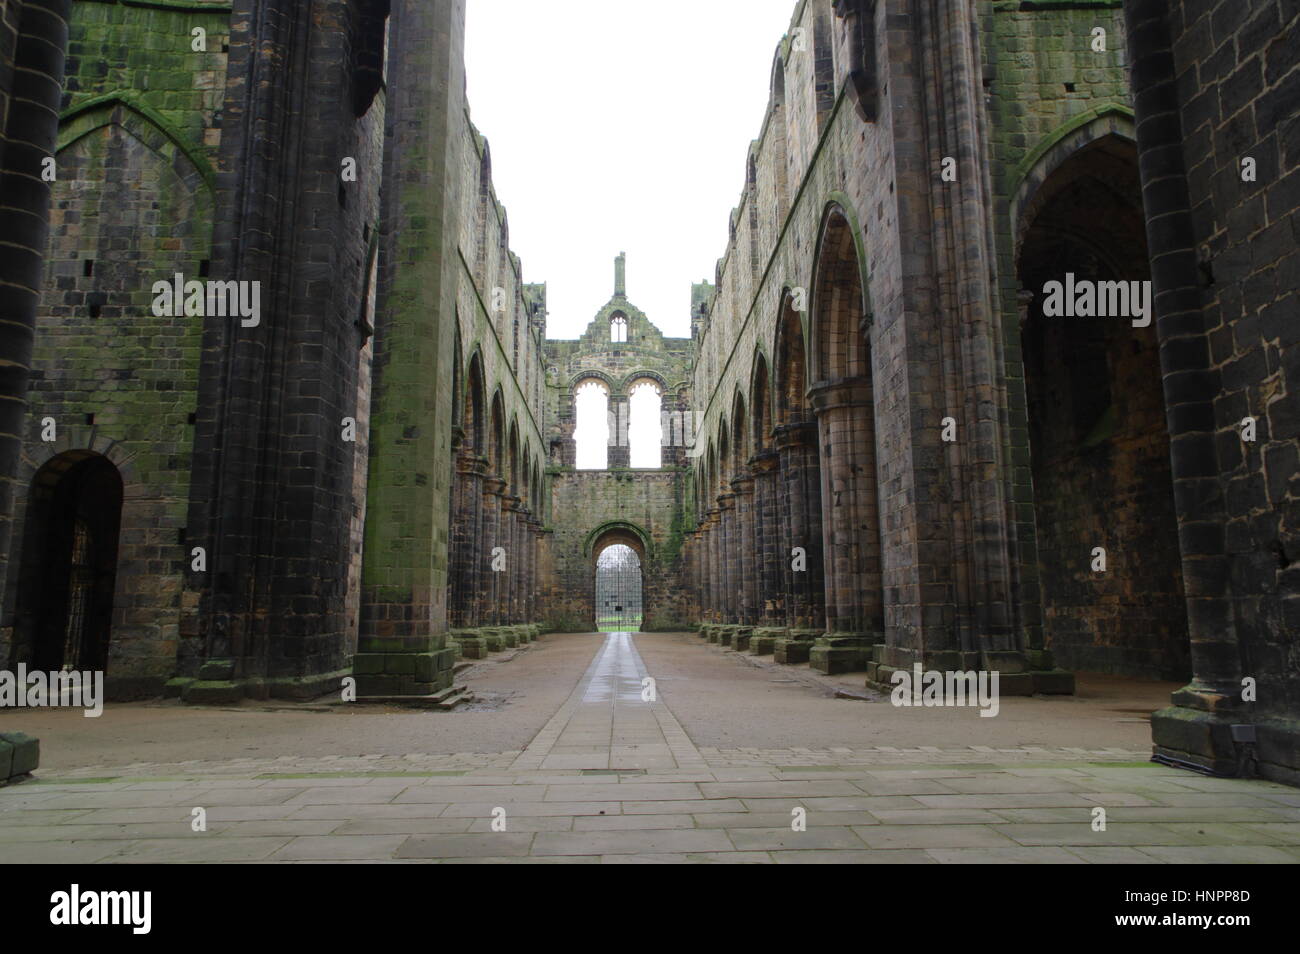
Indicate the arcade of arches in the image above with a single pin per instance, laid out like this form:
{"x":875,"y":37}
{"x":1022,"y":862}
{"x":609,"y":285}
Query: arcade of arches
{"x":877,"y":448}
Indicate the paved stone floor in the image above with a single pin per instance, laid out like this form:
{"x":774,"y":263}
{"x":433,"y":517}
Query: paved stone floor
{"x":613,"y":777}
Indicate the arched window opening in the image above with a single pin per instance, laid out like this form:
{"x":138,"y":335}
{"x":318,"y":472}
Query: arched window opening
{"x":618,"y":589}
{"x":618,"y":329}
{"x":645,"y":432}
{"x":591,"y":435}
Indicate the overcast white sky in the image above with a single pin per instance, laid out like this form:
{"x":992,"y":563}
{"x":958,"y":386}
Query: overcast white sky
{"x":620,"y":125}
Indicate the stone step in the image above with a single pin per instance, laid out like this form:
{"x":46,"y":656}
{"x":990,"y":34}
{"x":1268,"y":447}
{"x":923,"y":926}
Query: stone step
{"x":448,"y":698}
{"x":454,"y":696}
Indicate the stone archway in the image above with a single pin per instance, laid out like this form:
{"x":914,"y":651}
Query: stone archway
{"x":1099,"y":447}
{"x":625,"y":575}
{"x":619,"y":589}
{"x":69,"y":564}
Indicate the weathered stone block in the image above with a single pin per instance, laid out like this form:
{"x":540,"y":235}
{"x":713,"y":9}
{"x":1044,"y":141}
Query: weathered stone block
{"x":211,"y":692}
{"x":26,"y":754}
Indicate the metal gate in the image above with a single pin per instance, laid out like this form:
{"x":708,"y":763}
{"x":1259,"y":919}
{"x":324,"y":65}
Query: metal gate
{"x":618,"y":590}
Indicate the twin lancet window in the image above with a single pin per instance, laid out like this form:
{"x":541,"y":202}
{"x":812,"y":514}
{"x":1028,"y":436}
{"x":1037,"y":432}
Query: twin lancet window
{"x":633,"y":420}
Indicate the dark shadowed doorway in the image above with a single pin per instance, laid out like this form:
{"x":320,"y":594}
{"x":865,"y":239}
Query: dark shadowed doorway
{"x":69,"y":568}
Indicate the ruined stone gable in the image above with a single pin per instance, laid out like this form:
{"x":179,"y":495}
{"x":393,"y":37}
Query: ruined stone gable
{"x":620,"y":350}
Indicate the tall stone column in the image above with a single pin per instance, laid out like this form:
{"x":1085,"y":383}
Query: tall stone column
{"x":714,"y":566}
{"x":746,"y":552}
{"x":691,"y":573}
{"x":466,"y":531}
{"x":850,"y":526}
{"x":525,"y":564}
{"x":493,"y":586}
{"x":800,"y":486}
{"x":767,"y":524}
{"x":404,"y":572}
{"x":701,"y":558}
{"x":1206,"y":725}
{"x":510,"y":534}
{"x":29,"y":135}
{"x":727,"y":552}
{"x":534,"y":574}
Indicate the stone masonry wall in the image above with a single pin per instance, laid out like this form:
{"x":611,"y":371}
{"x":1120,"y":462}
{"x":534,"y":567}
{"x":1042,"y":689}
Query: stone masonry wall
{"x":586,"y":502}
{"x":132,"y":205}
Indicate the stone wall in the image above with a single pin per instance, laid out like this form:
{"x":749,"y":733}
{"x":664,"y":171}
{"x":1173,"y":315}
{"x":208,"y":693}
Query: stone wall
{"x":894,"y":248}
{"x":643,"y":508}
{"x":132,"y":204}
{"x":596,"y":507}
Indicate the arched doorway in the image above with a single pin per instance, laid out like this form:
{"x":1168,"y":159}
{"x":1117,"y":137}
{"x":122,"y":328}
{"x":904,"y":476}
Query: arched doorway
{"x":69,"y":569}
{"x":618,"y":590}
{"x":1099,"y":445}
{"x":620,"y":578}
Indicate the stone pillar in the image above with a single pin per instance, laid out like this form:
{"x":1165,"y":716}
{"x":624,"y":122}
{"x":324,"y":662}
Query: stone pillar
{"x":534,"y":574}
{"x":525,"y":565}
{"x":714,"y":566}
{"x":746,"y":552}
{"x":510,"y":534}
{"x":691,"y":562}
{"x":800,"y":488}
{"x":404,"y":576}
{"x":492,"y":588}
{"x":702,"y":570}
{"x":29,"y":135}
{"x":1205,"y":725}
{"x":466,"y":532}
{"x":727,"y":553}
{"x":767,"y":534}
{"x":850,"y":526}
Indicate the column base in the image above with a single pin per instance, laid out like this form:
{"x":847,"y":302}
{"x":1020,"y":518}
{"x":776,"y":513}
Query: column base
{"x":404,"y":674}
{"x":727,"y":634}
{"x":841,"y":652}
{"x":217,"y":685}
{"x":741,"y":637}
{"x":493,"y":638}
{"x":403,"y":666}
{"x":1027,"y":673}
{"x":1226,"y":743}
{"x":795,"y":646}
{"x":763,"y":641}
{"x":469,"y":643}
